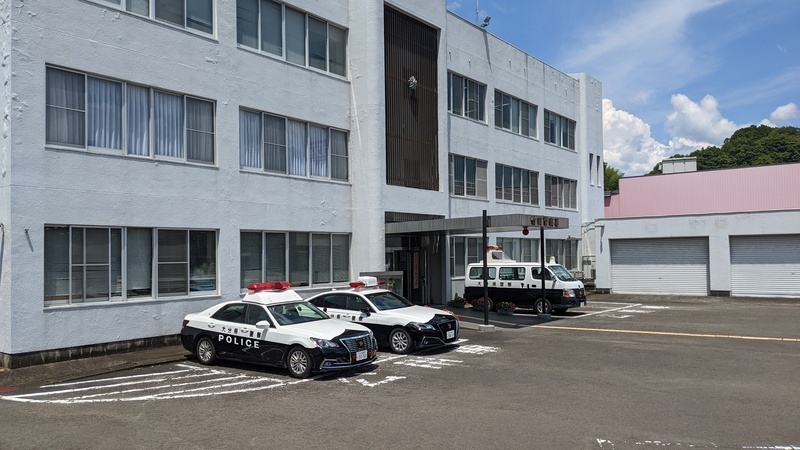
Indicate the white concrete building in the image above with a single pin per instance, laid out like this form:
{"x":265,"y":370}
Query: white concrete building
{"x":159,"y":156}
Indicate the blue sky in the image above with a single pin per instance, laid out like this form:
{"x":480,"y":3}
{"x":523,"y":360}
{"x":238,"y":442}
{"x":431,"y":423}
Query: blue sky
{"x":677,"y":75}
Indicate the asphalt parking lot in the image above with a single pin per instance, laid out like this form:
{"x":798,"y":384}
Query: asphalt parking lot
{"x":634,"y":372}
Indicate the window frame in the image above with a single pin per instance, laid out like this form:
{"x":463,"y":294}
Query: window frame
{"x":467,"y":181}
{"x":560,"y":192}
{"x":514,"y":115}
{"x":121,"y":254}
{"x":148,"y":125}
{"x":510,"y":182}
{"x":559,"y":130}
{"x":336,"y":149}
{"x":280,"y":262}
{"x":286,"y":38}
{"x":129,"y":6}
{"x":466,"y":97}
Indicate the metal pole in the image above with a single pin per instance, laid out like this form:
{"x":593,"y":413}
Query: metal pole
{"x":485,"y":272}
{"x":541,"y":255}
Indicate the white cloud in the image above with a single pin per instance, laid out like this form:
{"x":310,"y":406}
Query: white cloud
{"x":701,"y":122}
{"x":784,"y":113}
{"x":628,"y":145}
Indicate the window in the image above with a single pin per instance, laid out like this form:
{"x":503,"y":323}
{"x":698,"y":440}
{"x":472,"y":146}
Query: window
{"x":516,"y":185}
{"x":560,"y":192}
{"x":277,"y":144}
{"x":520,"y":249}
{"x":463,"y":251}
{"x":288,"y":33}
{"x":467,"y":177}
{"x":195,"y":15}
{"x":466,"y":97}
{"x":564,"y":251}
{"x":91,"y":264}
{"x":85,"y":111}
{"x":514,"y":115}
{"x":304,"y":259}
{"x":559,"y":130}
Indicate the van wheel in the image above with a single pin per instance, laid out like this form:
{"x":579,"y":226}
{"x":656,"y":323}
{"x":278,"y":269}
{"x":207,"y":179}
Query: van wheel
{"x":547,"y":309}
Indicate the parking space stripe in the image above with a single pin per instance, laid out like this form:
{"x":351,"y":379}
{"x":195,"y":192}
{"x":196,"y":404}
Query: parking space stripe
{"x":668,"y":333}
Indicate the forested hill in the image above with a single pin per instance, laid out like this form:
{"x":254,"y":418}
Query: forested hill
{"x":751,"y":146}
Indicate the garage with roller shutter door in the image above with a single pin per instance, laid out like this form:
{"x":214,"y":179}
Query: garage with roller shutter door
{"x":660,"y":266}
{"x":765,"y":265}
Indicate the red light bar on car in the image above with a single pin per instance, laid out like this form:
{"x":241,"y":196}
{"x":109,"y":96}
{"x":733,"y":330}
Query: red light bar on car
{"x":270,"y":286}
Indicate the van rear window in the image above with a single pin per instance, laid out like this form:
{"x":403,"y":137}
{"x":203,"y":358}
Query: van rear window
{"x":512,"y":273}
{"x":476,"y":273}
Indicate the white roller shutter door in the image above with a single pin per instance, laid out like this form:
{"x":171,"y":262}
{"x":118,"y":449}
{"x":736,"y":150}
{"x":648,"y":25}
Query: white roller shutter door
{"x":765,"y":265}
{"x":660,"y":266}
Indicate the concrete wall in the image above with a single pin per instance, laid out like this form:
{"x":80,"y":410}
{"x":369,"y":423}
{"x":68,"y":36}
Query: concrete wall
{"x":718,"y":228}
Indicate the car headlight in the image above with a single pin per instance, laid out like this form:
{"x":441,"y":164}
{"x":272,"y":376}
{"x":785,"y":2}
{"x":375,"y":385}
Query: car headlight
{"x":324,"y":343}
{"x":421,"y":326}
{"x":568,"y":293}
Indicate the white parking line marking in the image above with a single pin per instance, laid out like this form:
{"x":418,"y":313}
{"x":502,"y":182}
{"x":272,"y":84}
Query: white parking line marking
{"x":428,"y":363}
{"x":606,"y":311}
{"x":670,"y":333}
{"x":388,"y":379}
{"x":476,"y":349}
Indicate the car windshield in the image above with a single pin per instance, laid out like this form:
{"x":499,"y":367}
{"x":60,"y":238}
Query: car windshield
{"x":294,"y":313}
{"x":561,"y":273}
{"x":388,"y":300}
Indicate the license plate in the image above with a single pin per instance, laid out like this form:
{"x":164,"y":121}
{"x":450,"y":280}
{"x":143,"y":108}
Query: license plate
{"x":451,"y":334}
{"x":361,"y":355}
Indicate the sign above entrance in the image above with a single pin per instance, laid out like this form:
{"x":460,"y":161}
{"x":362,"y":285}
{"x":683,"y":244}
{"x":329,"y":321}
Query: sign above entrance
{"x":549,"y":222}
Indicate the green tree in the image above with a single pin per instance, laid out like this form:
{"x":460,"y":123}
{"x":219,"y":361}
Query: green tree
{"x":611,"y":177}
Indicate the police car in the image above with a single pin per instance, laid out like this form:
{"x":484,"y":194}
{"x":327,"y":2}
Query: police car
{"x":272,"y":325}
{"x":396,"y":322}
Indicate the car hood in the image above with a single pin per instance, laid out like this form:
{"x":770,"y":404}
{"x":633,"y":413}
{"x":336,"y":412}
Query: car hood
{"x":413,"y":314}
{"x":323,"y":329}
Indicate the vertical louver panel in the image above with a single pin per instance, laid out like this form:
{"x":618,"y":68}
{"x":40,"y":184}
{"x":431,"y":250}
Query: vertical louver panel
{"x":411,"y":49}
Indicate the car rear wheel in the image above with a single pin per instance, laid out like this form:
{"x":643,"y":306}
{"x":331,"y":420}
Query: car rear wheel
{"x":546,"y":309}
{"x":298,"y":362}
{"x":206,"y":352}
{"x":400,"y":341}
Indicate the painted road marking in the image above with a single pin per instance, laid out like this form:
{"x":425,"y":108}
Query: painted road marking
{"x":189,"y":381}
{"x":669,"y":333}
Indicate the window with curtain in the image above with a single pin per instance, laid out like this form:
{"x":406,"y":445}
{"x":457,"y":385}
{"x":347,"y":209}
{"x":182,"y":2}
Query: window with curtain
{"x":520,"y":249}
{"x":291,"y":34}
{"x":304,"y":259}
{"x":561,"y":192}
{"x":514,"y":115}
{"x":85,"y":264}
{"x":463,"y":251}
{"x":88,"y":111}
{"x":291,"y":146}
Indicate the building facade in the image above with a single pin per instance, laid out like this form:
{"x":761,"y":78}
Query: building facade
{"x":727,"y":232}
{"x":160,"y":156}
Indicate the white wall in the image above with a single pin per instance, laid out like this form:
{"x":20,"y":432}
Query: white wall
{"x":718,"y":228}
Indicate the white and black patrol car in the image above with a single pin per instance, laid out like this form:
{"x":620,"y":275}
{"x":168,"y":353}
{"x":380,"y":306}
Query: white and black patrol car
{"x":272,"y":325}
{"x":396,"y":322}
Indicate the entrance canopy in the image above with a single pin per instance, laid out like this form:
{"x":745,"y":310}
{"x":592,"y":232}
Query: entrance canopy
{"x":474,"y":225}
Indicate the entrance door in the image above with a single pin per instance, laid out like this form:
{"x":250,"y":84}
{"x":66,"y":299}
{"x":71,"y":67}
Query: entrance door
{"x":414,"y":264}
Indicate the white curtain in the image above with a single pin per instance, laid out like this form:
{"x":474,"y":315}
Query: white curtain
{"x":66,"y":105}
{"x":138,"y":120}
{"x":199,"y":130}
{"x":104,"y":113}
{"x":318,"y":151}
{"x":297,"y":148}
{"x":249,"y":139}
{"x":168,"y":124}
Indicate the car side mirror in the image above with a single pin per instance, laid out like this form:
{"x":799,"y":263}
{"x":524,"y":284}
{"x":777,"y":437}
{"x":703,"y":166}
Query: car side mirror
{"x":366,"y":311}
{"x":263,"y":324}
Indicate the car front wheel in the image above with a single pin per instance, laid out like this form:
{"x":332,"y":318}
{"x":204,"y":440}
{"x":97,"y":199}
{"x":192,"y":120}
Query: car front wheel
{"x":400,"y":341}
{"x":298,"y":362}
{"x":206,"y":352}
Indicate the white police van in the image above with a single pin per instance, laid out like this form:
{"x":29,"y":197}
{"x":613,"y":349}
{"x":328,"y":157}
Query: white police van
{"x":273,"y":325}
{"x":396,"y":322}
{"x":521,"y":284}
